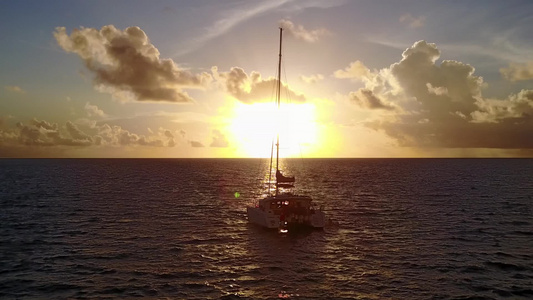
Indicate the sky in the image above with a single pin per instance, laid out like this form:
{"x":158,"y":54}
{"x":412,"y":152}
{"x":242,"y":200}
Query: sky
{"x":195,"y":79}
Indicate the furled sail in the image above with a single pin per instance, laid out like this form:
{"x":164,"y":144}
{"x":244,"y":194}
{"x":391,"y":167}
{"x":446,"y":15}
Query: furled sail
{"x":280,"y":178}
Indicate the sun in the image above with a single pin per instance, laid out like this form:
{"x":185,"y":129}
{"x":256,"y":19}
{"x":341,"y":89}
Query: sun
{"x":255,"y":128}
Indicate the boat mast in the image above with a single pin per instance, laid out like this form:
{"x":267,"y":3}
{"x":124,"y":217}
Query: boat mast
{"x":270,"y":169}
{"x":278,"y":100}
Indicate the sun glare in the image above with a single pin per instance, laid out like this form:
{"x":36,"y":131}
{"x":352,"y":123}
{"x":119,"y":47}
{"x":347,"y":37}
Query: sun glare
{"x":255,"y":126}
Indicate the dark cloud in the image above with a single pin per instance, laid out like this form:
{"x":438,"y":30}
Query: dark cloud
{"x":366,"y":98}
{"x":253,"y":88}
{"x":169,"y":134}
{"x":441,"y":105}
{"x":196,"y":144}
{"x":125,"y":62}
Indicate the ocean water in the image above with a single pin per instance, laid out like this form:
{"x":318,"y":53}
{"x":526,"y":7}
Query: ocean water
{"x":175,"y":228}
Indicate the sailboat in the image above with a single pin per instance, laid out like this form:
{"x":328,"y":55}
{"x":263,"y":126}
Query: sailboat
{"x":282,"y":209}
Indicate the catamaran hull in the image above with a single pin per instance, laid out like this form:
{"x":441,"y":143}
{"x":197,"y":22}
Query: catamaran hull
{"x":318,"y":219}
{"x":270,"y":220}
{"x":261,"y":218}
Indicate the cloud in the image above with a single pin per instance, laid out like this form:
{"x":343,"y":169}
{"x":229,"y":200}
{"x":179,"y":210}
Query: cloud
{"x":356,"y":71}
{"x":171,"y":143}
{"x":497,"y":50}
{"x":413,"y":22}
{"x":44,"y":124}
{"x":312,"y":79}
{"x":436,"y":90}
{"x":76,"y":133}
{"x":14,"y":89}
{"x":299,"y":32}
{"x":196,"y":144}
{"x":441,"y":105}
{"x":168,"y":134}
{"x":219,"y":140}
{"x":252,"y":88}
{"x":517,"y":108}
{"x":118,"y":136}
{"x":367,"y":99}
{"x":125,"y":64}
{"x":40,"y":133}
{"x":517,"y":72}
{"x":93,"y":110}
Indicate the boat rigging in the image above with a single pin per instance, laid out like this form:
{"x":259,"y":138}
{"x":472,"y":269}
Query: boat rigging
{"x":284,"y":210}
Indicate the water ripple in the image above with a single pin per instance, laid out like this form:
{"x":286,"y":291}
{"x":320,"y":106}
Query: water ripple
{"x":407,"y":229}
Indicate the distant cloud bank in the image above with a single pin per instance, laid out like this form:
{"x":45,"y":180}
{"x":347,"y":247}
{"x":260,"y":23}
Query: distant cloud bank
{"x":43,"y":133}
{"x":425,"y":104}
